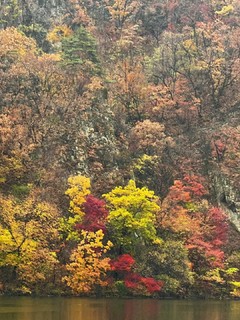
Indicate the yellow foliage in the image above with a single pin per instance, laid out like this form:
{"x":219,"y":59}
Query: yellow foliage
{"x":190,"y":46}
{"x":15,"y":44}
{"x":119,"y":9}
{"x":10,"y":166}
{"x":95,"y":84}
{"x":59,"y":32}
{"x":132,"y":214}
{"x":79,"y":188}
{"x":236,"y":289}
{"x":26,"y":229}
{"x":225,"y":10}
{"x":50,"y":57}
{"x":88,"y":267}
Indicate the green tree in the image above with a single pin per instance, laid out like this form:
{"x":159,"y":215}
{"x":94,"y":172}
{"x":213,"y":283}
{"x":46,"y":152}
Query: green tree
{"x":80,"y":51}
{"x":132,"y":216}
{"x":168,"y":262}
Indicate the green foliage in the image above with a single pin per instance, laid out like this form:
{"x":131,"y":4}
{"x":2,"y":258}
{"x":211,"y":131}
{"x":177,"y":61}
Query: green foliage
{"x":20,"y":191}
{"x":10,"y":13}
{"x":120,"y":288}
{"x":168,"y":262}
{"x":37,"y":32}
{"x":132,"y":215}
{"x":80,"y":51}
{"x":172,"y":286}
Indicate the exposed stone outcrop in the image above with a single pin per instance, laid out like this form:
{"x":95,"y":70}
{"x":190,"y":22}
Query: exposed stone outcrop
{"x":43,"y":11}
{"x":228,"y":198}
{"x":32,"y":12}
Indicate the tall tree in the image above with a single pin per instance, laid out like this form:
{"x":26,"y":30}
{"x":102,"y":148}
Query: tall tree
{"x":132,"y":216}
{"x":80,"y":51}
{"x":88,"y":263}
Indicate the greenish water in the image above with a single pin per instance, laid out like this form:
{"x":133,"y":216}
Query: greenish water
{"x":24,"y":308}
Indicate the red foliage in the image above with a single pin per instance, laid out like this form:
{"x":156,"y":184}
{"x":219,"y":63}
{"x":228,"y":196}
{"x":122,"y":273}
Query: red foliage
{"x":152,"y":285}
{"x":122,"y":263}
{"x":204,"y":226}
{"x":178,"y":194}
{"x":218,"y":222}
{"x":185,"y":191}
{"x":212,"y":237}
{"x":132,"y":280}
{"x":212,"y":255}
{"x":194,"y":185}
{"x":95,"y":214}
{"x":135,"y":281}
{"x":218,"y":149}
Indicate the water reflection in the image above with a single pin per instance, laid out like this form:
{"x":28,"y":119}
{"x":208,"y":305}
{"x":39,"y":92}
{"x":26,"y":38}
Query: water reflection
{"x":23,"y":308}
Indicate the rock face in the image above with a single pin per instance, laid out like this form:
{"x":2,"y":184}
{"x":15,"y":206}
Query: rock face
{"x":42,"y":11}
{"x":228,"y":198}
{"x":32,"y":12}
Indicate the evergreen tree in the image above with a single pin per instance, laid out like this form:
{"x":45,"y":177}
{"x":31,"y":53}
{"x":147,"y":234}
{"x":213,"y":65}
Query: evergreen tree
{"x":80,"y":51}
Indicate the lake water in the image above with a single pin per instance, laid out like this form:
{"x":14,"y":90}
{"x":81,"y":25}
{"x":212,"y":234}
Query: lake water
{"x":24,"y":308}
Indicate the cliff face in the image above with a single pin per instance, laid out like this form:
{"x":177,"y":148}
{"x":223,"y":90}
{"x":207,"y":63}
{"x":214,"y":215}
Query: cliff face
{"x":30,"y":12}
{"x":228,"y":198}
{"x":43,"y":11}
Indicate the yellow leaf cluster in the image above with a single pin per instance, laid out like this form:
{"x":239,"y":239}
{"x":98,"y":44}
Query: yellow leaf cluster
{"x":88,"y":266}
{"x":190,"y":46}
{"x":132,"y":214}
{"x":15,"y":44}
{"x":26,"y":228}
{"x":225,"y":10}
{"x":59,"y":32}
{"x":79,"y":188}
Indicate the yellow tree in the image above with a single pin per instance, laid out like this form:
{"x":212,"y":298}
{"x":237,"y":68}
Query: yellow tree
{"x":28,"y":235}
{"x":79,"y":188}
{"x":14,"y":46}
{"x":88,"y":266}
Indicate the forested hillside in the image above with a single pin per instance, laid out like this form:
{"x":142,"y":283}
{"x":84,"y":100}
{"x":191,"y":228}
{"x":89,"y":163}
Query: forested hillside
{"x":120,"y":147}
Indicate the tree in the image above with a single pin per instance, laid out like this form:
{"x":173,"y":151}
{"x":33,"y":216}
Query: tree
{"x":199,"y":225}
{"x":14,"y":47}
{"x":80,"y":51}
{"x":168,"y":262}
{"x":11,"y":13}
{"x":88,"y":264}
{"x":95,"y":215}
{"x":124,"y":274}
{"x":79,"y":188}
{"x":132,"y":216}
{"x":129,"y":90}
{"x":121,"y":11}
{"x":149,"y":138}
{"x":154,"y":18}
{"x":224,"y":152}
{"x":28,"y":238}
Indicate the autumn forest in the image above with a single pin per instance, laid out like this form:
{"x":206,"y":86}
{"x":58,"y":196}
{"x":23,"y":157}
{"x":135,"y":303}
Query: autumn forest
{"x":120,"y":148}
